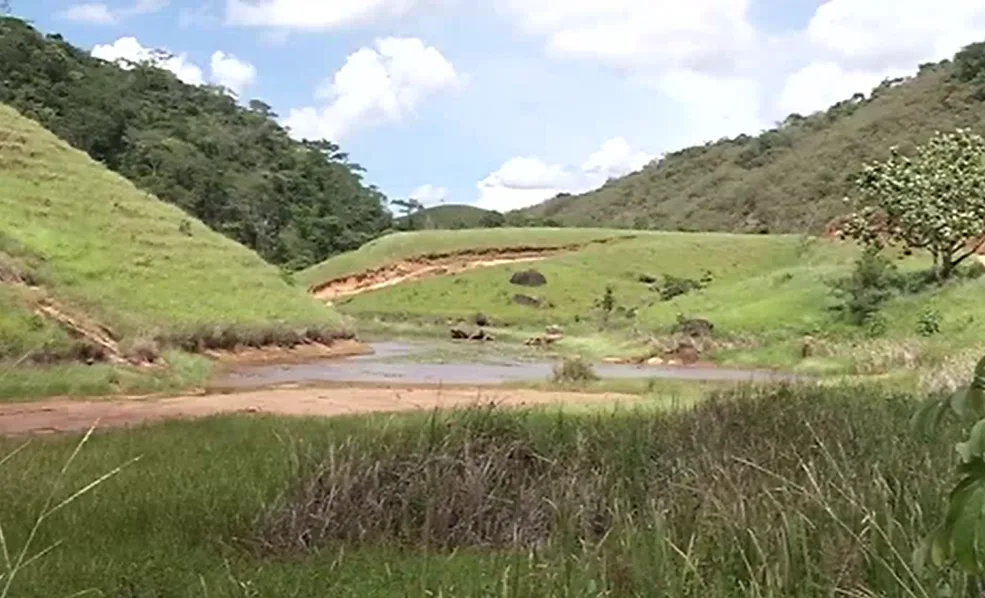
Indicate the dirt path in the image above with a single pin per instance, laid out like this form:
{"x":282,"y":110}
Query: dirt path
{"x":67,"y":415}
{"x":439,"y":265}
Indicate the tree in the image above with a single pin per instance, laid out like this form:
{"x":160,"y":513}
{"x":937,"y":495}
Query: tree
{"x":409,"y":208}
{"x":934,"y":201}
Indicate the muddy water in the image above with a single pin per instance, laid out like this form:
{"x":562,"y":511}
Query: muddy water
{"x":385,"y":366}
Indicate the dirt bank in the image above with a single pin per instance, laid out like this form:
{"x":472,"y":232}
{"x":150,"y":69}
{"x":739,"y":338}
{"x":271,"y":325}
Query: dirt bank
{"x":299,"y":354}
{"x":426,"y":266}
{"x":65,"y":415}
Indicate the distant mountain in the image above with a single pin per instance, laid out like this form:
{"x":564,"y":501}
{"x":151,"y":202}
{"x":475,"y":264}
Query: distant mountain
{"x":791,"y":178}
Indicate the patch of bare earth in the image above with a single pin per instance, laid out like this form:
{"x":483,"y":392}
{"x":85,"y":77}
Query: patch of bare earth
{"x":67,"y":415}
{"x":442,"y":264}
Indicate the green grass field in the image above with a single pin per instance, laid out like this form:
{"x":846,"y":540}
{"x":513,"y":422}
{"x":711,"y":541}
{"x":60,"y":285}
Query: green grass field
{"x":766,"y":294}
{"x":823,"y":492}
{"x":406,"y":245}
{"x":119,"y":258}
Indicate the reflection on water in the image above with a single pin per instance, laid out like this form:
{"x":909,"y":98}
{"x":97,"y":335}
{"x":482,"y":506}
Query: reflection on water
{"x":381,"y":367}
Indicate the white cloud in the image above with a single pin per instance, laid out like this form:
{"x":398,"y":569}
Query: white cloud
{"x":704,"y":35}
{"x":93,"y":13}
{"x":429,"y":195}
{"x":375,"y":86}
{"x":129,"y":49}
{"x":98,"y":13}
{"x":231,"y":72}
{"x":879,"y":34}
{"x":312,"y":15}
{"x":524,"y":181}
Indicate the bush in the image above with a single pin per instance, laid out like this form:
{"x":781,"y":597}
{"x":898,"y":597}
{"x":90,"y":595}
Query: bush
{"x":675,"y":286}
{"x":929,"y":323}
{"x":871,"y":283}
{"x":574,"y":370}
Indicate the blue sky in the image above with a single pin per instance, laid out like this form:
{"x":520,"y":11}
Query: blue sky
{"x":508,"y":102}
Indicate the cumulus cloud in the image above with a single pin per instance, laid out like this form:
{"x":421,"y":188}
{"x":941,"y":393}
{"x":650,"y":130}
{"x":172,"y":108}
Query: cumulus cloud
{"x":226,"y":69}
{"x":313,"y":15}
{"x":524,"y":181}
{"x":231,"y":72}
{"x":880,"y":34}
{"x":853,"y":46}
{"x":429,"y":195}
{"x":375,"y":86}
{"x":98,"y":13}
{"x":127,"y":49}
{"x":703,"y":35}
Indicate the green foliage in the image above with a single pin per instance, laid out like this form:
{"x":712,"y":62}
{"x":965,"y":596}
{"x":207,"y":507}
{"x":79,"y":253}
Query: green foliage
{"x":788,"y":179}
{"x":675,"y":286}
{"x":862,"y":294}
{"x":606,"y":303}
{"x":929,"y":323}
{"x":232,"y":167}
{"x":960,"y":537}
{"x":933,"y":201}
{"x":969,"y":63}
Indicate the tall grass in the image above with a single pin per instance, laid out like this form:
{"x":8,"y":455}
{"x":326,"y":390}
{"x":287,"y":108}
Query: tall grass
{"x":786,"y":491}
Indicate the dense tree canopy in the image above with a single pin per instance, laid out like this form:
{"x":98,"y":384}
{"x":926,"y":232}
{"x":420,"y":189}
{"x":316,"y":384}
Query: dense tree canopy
{"x":233,"y":167}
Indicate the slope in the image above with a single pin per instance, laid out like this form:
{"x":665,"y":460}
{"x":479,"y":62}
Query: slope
{"x":233,"y":167}
{"x":448,"y":245}
{"x":86,"y":259}
{"x":791,"y":178}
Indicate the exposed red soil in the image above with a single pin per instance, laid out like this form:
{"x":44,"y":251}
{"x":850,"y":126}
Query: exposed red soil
{"x":70,"y":415}
{"x":440,"y":264}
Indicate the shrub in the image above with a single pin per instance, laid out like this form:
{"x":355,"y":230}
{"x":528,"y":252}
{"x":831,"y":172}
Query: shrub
{"x":871,"y":283}
{"x":574,"y":370}
{"x":929,"y":323}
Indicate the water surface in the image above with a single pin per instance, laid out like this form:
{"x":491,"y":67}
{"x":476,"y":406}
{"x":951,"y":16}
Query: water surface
{"x":385,"y":365}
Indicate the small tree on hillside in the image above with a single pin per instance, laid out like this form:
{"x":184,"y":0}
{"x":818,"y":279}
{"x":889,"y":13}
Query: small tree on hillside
{"x":409,"y":208}
{"x":934,"y":201}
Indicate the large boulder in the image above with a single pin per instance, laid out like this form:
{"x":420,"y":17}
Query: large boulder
{"x":528,"y":278}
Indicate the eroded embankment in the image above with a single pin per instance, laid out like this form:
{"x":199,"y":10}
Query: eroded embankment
{"x":441,"y":264}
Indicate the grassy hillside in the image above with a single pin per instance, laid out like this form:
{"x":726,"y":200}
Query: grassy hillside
{"x":399,"y":246}
{"x":233,"y":167}
{"x":791,"y":178}
{"x":113,"y":257}
{"x":765,"y":294}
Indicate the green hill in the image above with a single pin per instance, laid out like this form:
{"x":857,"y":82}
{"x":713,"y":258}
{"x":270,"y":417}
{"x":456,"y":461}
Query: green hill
{"x":452,"y":216}
{"x":422,"y":244}
{"x":91,"y":266}
{"x":791,"y":178}
{"x":234,"y":168}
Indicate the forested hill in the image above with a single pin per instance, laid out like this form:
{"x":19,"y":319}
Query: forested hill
{"x":231,"y":166}
{"x":791,"y":178}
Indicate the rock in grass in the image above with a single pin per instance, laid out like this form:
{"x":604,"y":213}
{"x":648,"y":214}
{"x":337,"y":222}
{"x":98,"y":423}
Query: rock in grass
{"x":528,"y":278}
